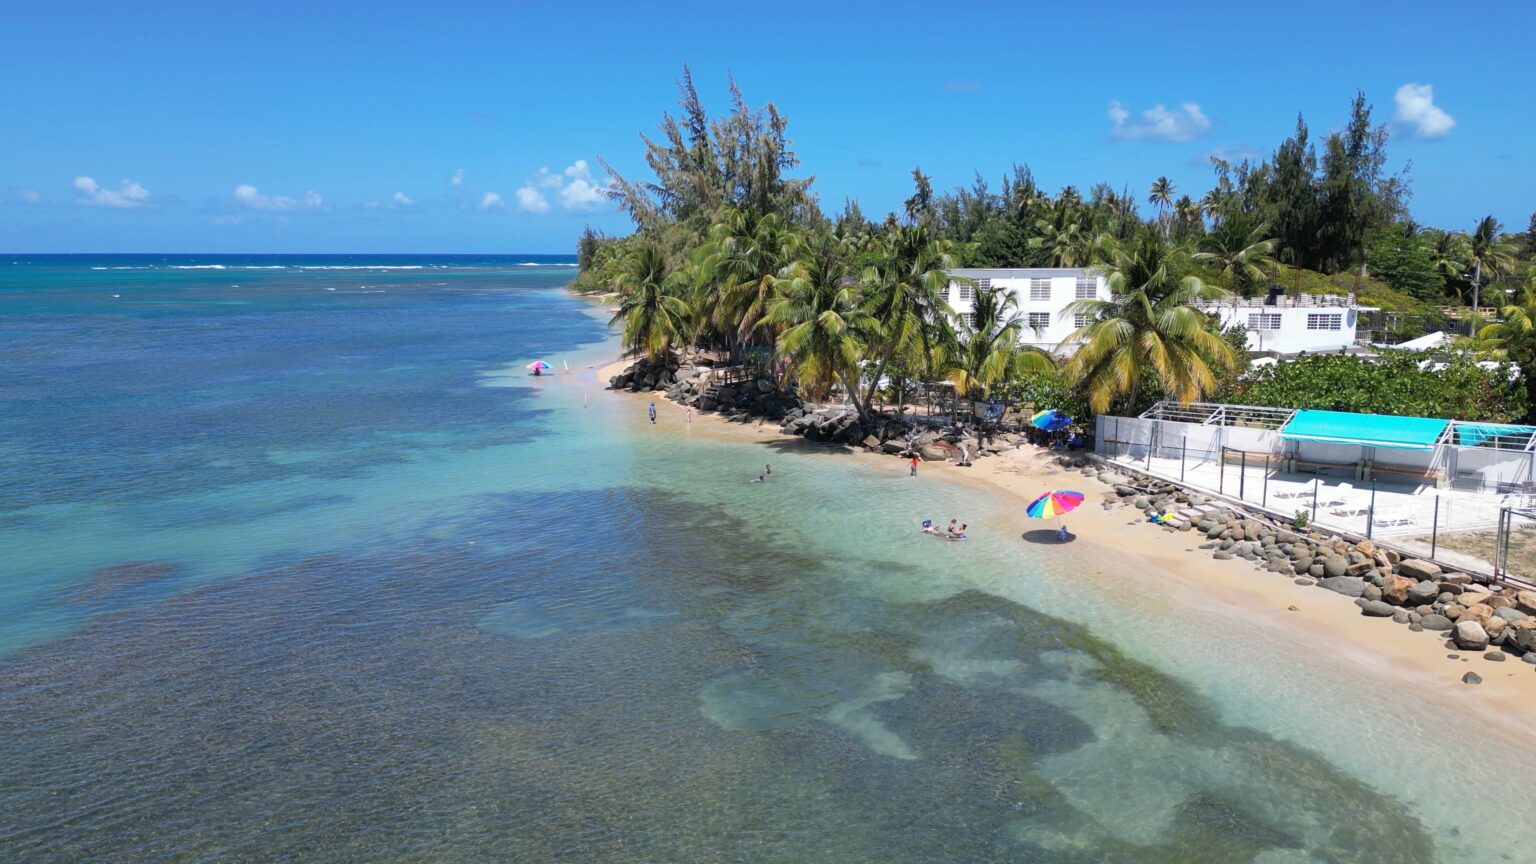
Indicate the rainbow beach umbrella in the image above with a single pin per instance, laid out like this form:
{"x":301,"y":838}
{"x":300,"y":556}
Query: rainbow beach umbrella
{"x":538,"y":365}
{"x":1053,"y":504}
{"x":1050,"y":420}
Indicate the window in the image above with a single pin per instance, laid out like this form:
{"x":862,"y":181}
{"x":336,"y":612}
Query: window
{"x":970,"y":320}
{"x":1087,"y":288}
{"x":944,"y":294}
{"x":1039,"y":320}
{"x":967,"y":293}
{"x":1324,"y":321}
{"x":1080,"y":321}
{"x":983,"y":284}
{"x":1264,"y":321}
{"x":1039,"y":289}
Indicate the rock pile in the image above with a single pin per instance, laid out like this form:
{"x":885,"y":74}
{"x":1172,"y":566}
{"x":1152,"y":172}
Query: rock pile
{"x":689,"y":381}
{"x":694,"y":385}
{"x":1415,"y":592}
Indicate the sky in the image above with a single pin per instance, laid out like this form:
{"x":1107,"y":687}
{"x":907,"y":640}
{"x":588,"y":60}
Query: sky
{"x":478,"y":127}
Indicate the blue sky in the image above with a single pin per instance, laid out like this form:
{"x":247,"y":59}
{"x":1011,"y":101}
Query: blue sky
{"x":457,"y":127}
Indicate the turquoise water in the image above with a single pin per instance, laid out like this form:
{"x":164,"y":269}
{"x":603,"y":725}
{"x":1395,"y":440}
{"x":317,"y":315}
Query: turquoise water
{"x":301,"y":573}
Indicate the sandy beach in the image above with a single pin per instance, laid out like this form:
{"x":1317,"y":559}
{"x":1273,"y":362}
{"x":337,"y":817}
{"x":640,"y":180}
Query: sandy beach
{"x":1168,"y":571}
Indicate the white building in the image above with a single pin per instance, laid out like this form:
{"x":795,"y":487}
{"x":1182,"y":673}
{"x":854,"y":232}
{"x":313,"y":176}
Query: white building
{"x":1043,"y":293}
{"x":1291,"y":325}
{"x":1282,"y":325}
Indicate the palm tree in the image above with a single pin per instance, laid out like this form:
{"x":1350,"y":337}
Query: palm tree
{"x":1450,"y":252}
{"x":651,"y":307}
{"x":1063,"y":236}
{"x":824,"y":328}
{"x":1514,"y":339}
{"x":1239,"y":252}
{"x":988,"y":352}
{"x":905,"y":280}
{"x":737,"y":269}
{"x":1187,"y":216}
{"x":1161,"y":197}
{"x":1149,"y":325}
{"x":1489,"y":252}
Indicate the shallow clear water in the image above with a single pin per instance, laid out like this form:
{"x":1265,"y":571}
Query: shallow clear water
{"x":297,"y":573}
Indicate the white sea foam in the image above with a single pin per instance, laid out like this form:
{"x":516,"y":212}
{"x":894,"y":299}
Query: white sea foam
{"x":198,"y":267}
{"x":362,"y":267}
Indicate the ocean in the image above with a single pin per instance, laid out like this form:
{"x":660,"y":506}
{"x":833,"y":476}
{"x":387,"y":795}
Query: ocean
{"x":299,"y":563}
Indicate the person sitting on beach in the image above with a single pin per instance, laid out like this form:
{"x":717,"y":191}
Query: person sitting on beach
{"x":1061,"y":533}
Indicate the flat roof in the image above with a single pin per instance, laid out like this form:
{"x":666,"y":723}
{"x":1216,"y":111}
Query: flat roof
{"x":1366,"y":430}
{"x":1016,"y":272}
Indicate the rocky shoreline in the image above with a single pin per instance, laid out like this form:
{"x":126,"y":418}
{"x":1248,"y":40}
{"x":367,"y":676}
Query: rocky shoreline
{"x":692,"y":382}
{"x":1477,"y":615}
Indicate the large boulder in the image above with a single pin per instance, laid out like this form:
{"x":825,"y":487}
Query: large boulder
{"x":1377,"y":609}
{"x":931,"y":453}
{"x":1420,"y":593}
{"x":1418,"y":568}
{"x":1349,"y":586}
{"x":1525,"y":601}
{"x":1521,"y":634}
{"x":1394,"y":589}
{"x":1477,"y":612}
{"x":1470,"y":636}
{"x":1436,"y":622}
{"x":1335,"y":566}
{"x":1495,"y":627}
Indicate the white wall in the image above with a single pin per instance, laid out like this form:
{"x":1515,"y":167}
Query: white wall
{"x":1063,"y":292}
{"x":1293,"y":336}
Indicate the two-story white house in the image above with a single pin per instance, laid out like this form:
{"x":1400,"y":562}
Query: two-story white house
{"x":1042,"y":294}
{"x":1278,"y":324}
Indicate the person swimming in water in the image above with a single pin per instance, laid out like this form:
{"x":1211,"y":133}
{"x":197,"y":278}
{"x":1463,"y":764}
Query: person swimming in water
{"x":758,"y":480}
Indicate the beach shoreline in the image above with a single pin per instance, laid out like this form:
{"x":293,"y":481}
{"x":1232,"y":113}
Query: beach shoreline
{"x":1171,"y":572}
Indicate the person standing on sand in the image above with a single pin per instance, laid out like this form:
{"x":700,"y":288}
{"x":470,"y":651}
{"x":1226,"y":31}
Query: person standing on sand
{"x":688,"y":413}
{"x":914,"y":466}
{"x":653,"y":413}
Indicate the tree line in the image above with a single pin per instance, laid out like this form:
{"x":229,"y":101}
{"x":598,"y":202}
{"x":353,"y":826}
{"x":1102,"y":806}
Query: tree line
{"x":731,"y":252}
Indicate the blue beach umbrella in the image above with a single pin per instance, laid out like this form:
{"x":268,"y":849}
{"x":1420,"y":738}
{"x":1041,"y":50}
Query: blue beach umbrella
{"x":1050,"y":420}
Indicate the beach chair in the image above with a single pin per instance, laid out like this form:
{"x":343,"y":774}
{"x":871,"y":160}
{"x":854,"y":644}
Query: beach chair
{"x":1335,"y":495}
{"x":1400,"y":517}
{"x":1286,"y":489}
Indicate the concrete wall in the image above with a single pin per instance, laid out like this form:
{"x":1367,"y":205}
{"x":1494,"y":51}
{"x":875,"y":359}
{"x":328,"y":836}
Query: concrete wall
{"x":1292,"y":337}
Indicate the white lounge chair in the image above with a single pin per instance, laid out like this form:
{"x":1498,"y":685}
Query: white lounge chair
{"x":1335,"y":496}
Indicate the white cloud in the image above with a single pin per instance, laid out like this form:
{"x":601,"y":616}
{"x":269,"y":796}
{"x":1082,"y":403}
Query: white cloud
{"x":575,"y":186}
{"x":581,"y":193}
{"x":398,"y":201}
{"x":492,"y":201}
{"x":458,"y":177}
{"x":1416,"y":109}
{"x":128,"y":194}
{"x":1158,"y":122}
{"x":248,"y":195}
{"x":531,"y":200}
